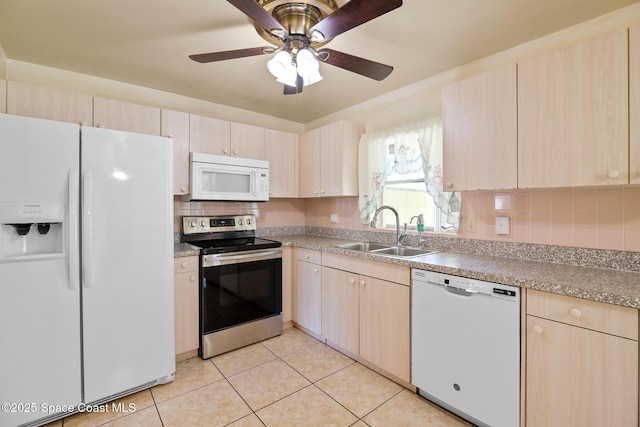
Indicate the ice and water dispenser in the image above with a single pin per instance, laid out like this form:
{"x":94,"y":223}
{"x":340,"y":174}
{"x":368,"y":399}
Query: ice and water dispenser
{"x":28,"y":229}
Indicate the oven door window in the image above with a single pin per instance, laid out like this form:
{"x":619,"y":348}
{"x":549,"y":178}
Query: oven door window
{"x":238,"y":293}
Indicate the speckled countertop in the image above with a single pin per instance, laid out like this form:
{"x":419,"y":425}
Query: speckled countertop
{"x":611,"y":286}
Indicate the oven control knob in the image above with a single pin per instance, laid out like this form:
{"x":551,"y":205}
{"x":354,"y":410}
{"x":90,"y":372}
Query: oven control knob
{"x":248,"y":221}
{"x":193,"y":223}
{"x":240,"y":222}
{"x":203,"y":223}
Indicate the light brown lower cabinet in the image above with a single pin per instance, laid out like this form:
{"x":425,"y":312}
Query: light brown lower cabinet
{"x":307,"y":291}
{"x":368,"y":317}
{"x":581,"y":363}
{"x":186,"y":304}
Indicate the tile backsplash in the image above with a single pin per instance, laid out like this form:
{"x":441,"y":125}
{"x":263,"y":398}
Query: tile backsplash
{"x":600,"y":218}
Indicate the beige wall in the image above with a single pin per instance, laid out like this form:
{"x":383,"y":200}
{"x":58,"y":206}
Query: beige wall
{"x":600,"y":218}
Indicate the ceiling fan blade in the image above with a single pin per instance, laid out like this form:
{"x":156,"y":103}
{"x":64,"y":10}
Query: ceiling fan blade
{"x":292,"y":90}
{"x":364,"y":67}
{"x":352,"y":14}
{"x":254,"y":11}
{"x":231,"y":54}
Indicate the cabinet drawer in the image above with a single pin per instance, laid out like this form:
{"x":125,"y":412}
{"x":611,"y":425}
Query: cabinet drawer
{"x":308,"y":255}
{"x":597,"y":316}
{"x":381,"y":270}
{"x":184,"y":264}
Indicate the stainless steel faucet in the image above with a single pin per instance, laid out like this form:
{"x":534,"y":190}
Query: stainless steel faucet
{"x":375,"y":217}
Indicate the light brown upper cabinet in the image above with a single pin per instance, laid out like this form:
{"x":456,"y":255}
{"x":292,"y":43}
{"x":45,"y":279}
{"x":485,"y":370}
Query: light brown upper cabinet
{"x":176,"y":125}
{"x":328,"y":164}
{"x":248,"y":141}
{"x":125,"y":116}
{"x":282,"y":152}
{"x":479,"y":131}
{"x":3,"y":96}
{"x":45,"y":103}
{"x":209,"y":135}
{"x":573,"y":124}
{"x":634,"y":104}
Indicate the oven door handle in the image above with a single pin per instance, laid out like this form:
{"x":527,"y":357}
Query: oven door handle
{"x":213,"y":260}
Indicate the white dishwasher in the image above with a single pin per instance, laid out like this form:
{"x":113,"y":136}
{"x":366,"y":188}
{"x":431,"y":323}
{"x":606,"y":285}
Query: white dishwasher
{"x":465,"y":347}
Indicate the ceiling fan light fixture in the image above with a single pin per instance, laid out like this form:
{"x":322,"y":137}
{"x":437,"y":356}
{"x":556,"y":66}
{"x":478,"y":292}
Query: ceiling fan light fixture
{"x":312,"y":78}
{"x":282,"y":68}
{"x":307,"y":66}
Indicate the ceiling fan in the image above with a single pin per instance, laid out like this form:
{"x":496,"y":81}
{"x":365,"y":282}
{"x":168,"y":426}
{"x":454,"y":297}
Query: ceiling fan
{"x":298,"y":30}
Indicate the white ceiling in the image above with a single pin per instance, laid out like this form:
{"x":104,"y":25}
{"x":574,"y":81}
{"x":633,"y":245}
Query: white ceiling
{"x":147,"y":43}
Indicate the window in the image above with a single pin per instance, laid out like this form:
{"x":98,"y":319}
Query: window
{"x":392,"y":172}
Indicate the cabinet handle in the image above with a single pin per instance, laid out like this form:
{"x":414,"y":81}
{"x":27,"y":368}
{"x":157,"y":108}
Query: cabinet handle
{"x":183,"y":264}
{"x":225,"y":151}
{"x":613,"y":174}
{"x":575,"y":313}
{"x":352,"y":280}
{"x":448,"y":184}
{"x":315,"y":270}
{"x":321,"y":191}
{"x":306,"y":256}
{"x":183,"y":189}
{"x":537,"y":329}
{"x":192,"y":278}
{"x":236,"y":152}
{"x":362,"y":283}
{"x":315,"y":191}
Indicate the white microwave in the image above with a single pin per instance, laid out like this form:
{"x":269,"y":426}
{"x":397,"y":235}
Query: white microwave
{"x":226,"y":178}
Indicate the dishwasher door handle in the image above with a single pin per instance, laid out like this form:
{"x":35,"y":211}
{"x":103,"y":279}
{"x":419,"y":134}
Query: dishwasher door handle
{"x":462,"y":292}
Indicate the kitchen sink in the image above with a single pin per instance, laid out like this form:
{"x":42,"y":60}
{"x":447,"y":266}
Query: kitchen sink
{"x":403,"y":251}
{"x":364,"y":246}
{"x":388,"y":250}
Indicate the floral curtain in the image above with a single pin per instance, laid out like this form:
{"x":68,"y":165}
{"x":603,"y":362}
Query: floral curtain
{"x":403,"y":150}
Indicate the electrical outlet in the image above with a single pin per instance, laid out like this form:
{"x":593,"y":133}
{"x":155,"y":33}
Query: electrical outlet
{"x":471,"y":225}
{"x":334,"y":218}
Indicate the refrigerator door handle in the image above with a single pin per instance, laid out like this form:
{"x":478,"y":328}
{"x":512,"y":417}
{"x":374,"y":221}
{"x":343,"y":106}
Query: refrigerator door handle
{"x":73,"y":255}
{"x":87,"y":229}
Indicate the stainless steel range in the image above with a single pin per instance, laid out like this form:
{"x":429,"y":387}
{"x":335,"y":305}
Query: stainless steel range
{"x":240,"y":282}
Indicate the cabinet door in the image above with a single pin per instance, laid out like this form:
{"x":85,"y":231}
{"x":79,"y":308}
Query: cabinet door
{"x":339,"y":159}
{"x":634,"y":103}
{"x":176,"y":125}
{"x":125,"y":116}
{"x":573,"y":115}
{"x":309,"y":165}
{"x":186,"y":311}
{"x":281,"y":152}
{"x":340,"y":313}
{"x":210,"y":136}
{"x":579,"y":377}
{"x":384,"y":326}
{"x":186,"y":306}
{"x":479,"y":131}
{"x":309,"y":296}
{"x":248,"y":141}
{"x":51,"y":104}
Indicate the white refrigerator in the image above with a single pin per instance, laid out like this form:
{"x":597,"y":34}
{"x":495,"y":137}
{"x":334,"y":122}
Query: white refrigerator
{"x":86,"y":267}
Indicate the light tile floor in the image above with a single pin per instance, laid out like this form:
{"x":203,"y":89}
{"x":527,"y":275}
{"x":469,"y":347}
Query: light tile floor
{"x":289,"y":380}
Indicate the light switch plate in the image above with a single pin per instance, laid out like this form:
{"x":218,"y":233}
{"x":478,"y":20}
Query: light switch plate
{"x":502,"y":225}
